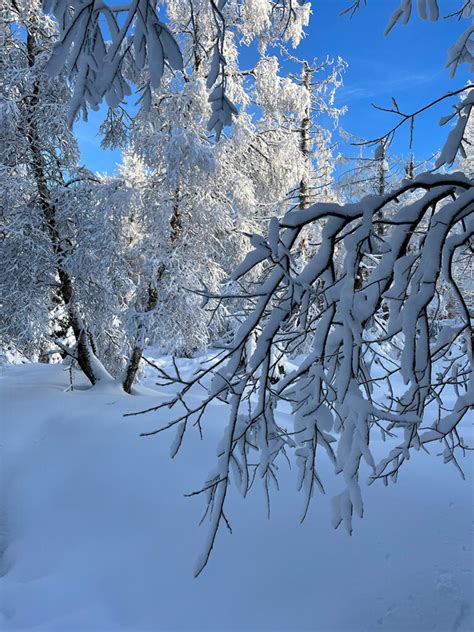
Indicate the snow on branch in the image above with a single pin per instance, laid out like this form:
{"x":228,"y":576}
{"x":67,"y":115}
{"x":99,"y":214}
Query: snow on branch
{"x":351,"y":342}
{"x":108,"y":46}
{"x":461,"y":51}
{"x":96,"y":62}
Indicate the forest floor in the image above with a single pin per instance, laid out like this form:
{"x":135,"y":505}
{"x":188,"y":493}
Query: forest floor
{"x":97,"y":534}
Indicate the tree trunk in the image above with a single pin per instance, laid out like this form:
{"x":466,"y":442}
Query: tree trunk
{"x":305,"y":147}
{"x":137,"y":351}
{"x":410,"y":168}
{"x":133,"y":365}
{"x":381,"y":182}
{"x":88,"y":363}
{"x":305,"y":142}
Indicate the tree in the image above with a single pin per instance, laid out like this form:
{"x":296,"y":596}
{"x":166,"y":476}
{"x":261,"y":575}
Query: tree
{"x":39,"y":161}
{"x":351,"y":335}
{"x":142,"y":39}
{"x":378,"y":360}
{"x":199,"y":196}
{"x":149,"y":241}
{"x":63,"y":282}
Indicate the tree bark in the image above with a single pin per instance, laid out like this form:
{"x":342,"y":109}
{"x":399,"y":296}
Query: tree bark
{"x":137,"y":351}
{"x":305,"y":141}
{"x":84,"y":352}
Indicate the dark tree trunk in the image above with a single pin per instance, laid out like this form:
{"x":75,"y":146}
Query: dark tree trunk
{"x":137,"y":351}
{"x":65,"y":289}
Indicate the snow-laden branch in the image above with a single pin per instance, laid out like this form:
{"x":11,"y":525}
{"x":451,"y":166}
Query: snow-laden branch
{"x":368,"y":354}
{"x":461,"y":51}
{"x":107,"y":47}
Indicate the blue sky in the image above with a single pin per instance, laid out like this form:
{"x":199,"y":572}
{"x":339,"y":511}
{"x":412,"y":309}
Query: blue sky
{"x":408,"y":64}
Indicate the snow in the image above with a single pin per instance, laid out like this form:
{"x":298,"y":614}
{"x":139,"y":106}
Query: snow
{"x":97,"y":533}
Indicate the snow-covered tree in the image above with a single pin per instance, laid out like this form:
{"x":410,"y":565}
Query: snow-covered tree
{"x":142,"y":37}
{"x":124,"y":252}
{"x":100,"y":42}
{"x":344,"y":389}
{"x":60,"y":230}
{"x":39,"y":154}
{"x":371,"y":356}
{"x":466,"y":160}
{"x":207,"y":196}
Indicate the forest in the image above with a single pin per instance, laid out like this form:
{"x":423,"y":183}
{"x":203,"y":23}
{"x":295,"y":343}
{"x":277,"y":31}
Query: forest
{"x":219,"y":351}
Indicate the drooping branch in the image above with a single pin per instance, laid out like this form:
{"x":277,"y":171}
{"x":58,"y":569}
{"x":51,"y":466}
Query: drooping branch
{"x":361,"y":336}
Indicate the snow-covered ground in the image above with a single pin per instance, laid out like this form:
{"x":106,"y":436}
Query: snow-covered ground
{"x":97,"y":534}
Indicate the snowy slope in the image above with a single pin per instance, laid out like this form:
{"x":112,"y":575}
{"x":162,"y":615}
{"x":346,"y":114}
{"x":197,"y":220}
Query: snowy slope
{"x":97,"y":534}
